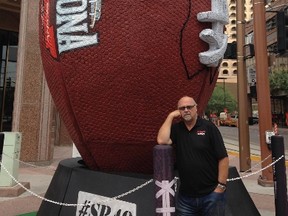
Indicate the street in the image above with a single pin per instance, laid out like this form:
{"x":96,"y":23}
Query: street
{"x":231,"y":134}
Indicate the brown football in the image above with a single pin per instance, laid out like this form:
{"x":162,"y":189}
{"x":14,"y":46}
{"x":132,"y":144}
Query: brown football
{"x":115,"y":69}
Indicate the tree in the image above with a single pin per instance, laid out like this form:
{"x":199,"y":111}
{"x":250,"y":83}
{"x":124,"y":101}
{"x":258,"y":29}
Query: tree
{"x":220,"y":100}
{"x":278,"y":81}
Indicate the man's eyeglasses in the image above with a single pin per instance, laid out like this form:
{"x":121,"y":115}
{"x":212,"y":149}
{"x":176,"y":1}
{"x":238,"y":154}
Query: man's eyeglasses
{"x":187,"y":107}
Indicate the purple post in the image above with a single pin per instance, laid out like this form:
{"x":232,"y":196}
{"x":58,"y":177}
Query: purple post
{"x":1,"y":146}
{"x":164,"y":180}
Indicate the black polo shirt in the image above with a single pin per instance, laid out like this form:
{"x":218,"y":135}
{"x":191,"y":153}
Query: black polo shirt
{"x":197,"y":154}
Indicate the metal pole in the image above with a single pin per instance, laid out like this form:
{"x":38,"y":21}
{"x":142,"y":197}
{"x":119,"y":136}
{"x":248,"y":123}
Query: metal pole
{"x":243,"y":127}
{"x":224,"y":89}
{"x":164,"y":179}
{"x":263,"y":88}
{"x":280,"y":179}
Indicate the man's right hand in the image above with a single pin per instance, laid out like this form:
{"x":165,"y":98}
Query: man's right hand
{"x":175,"y":114}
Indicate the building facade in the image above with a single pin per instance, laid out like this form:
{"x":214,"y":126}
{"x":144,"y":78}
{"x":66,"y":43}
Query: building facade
{"x":26,"y":104}
{"x":228,"y":70}
{"x":276,"y":62}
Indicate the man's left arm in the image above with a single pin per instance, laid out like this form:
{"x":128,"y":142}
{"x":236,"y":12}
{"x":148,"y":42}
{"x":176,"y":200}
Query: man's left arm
{"x":223,"y":163}
{"x":223,"y":167}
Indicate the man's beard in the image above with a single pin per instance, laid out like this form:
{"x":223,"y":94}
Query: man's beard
{"x":187,"y":117}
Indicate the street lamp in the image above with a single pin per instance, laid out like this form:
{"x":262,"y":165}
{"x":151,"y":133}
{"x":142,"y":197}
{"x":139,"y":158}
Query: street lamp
{"x":263,"y":88}
{"x":243,"y":128}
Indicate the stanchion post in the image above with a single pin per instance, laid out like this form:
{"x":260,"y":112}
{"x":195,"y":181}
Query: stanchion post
{"x":1,"y":146}
{"x":164,"y":177}
{"x":279,"y":175}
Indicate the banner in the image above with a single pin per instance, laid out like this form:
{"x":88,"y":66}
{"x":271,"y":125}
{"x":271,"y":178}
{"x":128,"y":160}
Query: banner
{"x":96,"y":205}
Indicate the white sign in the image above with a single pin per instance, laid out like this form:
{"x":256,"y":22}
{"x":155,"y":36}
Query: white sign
{"x":269,"y":134}
{"x":251,"y":76}
{"x":96,"y":205}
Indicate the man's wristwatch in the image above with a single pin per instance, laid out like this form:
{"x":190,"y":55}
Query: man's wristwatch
{"x":222,"y":186}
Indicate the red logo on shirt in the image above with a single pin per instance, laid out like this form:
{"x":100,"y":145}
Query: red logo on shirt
{"x":201,"y":133}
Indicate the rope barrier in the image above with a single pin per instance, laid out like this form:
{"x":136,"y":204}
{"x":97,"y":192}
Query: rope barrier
{"x":31,"y":192}
{"x":250,"y":174}
{"x":161,"y":192}
{"x":29,"y":164}
{"x":67,"y":204}
{"x":256,"y":165}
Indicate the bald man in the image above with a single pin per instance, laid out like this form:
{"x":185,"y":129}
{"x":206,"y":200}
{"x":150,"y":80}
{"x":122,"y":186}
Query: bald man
{"x":201,"y":159}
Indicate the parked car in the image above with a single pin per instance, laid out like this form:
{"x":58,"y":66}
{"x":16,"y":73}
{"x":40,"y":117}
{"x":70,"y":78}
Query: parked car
{"x":255,"y":120}
{"x":226,"y":119}
{"x":222,"y":118}
{"x":233,"y":121}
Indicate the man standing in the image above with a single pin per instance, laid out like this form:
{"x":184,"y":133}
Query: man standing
{"x":201,"y":159}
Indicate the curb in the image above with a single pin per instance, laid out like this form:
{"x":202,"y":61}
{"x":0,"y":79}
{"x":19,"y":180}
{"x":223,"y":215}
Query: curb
{"x":253,"y":157}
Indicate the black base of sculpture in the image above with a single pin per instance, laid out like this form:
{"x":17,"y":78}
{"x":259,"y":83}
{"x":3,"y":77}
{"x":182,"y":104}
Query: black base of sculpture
{"x":239,"y":202}
{"x":72,"y":177}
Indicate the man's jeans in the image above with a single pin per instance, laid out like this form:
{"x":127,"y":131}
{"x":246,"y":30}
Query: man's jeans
{"x":212,"y":204}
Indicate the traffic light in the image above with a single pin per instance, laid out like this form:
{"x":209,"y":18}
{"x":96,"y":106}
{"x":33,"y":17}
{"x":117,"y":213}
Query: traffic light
{"x":282,"y":31}
{"x":231,"y":51}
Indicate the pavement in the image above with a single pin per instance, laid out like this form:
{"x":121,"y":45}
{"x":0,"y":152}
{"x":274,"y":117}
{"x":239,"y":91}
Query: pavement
{"x":39,"y":178}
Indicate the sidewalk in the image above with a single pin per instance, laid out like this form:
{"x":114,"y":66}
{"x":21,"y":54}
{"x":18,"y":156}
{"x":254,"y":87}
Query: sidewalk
{"x":40,"y":178}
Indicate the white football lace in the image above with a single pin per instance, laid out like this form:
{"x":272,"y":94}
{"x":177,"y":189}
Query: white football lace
{"x":215,"y":37}
{"x":95,"y":13}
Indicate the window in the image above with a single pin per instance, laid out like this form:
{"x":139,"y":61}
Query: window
{"x":233,"y":15}
{"x":8,"y":56}
{"x":225,"y":72}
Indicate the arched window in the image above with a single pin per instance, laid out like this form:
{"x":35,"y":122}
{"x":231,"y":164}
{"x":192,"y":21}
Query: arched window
{"x":225,"y":72}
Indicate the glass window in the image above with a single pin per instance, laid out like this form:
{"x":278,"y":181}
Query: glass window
{"x":8,"y":56}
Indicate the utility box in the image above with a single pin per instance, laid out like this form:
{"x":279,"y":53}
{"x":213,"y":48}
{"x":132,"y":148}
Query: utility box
{"x":10,"y":158}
